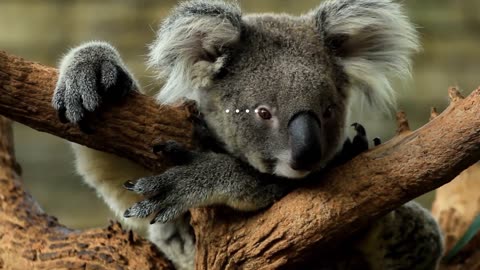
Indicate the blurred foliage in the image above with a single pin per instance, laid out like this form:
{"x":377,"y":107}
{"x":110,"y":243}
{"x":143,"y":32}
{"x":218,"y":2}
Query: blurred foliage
{"x":44,"y":30}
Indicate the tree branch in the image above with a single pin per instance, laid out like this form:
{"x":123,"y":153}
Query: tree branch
{"x":30,"y":239}
{"x":128,"y":130}
{"x":345,"y":199}
{"x":308,"y":219}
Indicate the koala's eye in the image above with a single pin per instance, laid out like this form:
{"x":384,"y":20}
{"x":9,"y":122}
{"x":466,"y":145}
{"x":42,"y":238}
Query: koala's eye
{"x":264,"y":113}
{"x":328,"y":113}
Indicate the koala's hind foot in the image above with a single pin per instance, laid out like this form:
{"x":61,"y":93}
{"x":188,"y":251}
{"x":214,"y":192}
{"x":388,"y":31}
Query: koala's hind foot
{"x":406,"y":238}
{"x":176,"y":239}
{"x":352,"y":148}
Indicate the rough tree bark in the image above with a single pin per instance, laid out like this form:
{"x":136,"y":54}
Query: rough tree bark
{"x":30,"y":239}
{"x":309,"y":219}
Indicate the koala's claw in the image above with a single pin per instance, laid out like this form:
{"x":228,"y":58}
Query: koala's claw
{"x":166,"y":195}
{"x":164,"y":207}
{"x":141,"y":209}
{"x":174,"y":151}
{"x":359,"y":129}
{"x":352,"y":148}
{"x":360,"y":141}
{"x":150,"y":186}
{"x":129,"y":185}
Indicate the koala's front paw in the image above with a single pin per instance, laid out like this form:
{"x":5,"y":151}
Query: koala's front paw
{"x":89,"y":76}
{"x":359,"y":143}
{"x":352,"y":148}
{"x":167,"y":197}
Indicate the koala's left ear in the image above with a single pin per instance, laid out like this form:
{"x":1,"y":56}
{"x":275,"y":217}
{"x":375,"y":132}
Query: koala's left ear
{"x":191,"y":46}
{"x":374,"y":41}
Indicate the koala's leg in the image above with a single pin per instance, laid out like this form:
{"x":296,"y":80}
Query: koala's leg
{"x":177,"y":241}
{"x":106,"y":173}
{"x":407,"y":238}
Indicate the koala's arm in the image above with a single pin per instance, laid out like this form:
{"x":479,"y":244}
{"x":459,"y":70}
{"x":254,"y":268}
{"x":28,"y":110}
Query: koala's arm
{"x":92,"y":75}
{"x":203,"y":178}
{"x":215,"y":178}
{"x":406,"y":238}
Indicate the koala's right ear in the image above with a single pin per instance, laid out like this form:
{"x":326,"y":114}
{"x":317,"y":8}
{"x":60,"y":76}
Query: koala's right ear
{"x":191,"y":46}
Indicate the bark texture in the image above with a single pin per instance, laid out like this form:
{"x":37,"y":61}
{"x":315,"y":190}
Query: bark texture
{"x":309,"y":219}
{"x":31,"y":239}
{"x":128,"y":130}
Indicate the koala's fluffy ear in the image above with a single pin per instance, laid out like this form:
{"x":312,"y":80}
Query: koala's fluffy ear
{"x":374,"y":41}
{"x":190,"y":47}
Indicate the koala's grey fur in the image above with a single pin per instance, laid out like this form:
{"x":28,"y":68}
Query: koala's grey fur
{"x":183,"y":45}
{"x":208,"y":51}
{"x":76,"y":93}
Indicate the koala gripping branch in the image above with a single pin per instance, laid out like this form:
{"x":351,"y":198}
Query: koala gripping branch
{"x":307,"y":220}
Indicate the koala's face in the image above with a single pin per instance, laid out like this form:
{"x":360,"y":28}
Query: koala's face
{"x":288,"y":77}
{"x":290,"y":95}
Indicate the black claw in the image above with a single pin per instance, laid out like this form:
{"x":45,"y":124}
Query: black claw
{"x":85,"y":128}
{"x":352,"y":148}
{"x":160,"y":147}
{"x":377,"y":141}
{"x":62,"y":115}
{"x":127,"y":214}
{"x":129,"y":185}
{"x":359,"y":129}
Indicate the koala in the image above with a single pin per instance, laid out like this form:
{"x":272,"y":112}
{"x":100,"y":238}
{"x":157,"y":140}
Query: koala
{"x":275,"y":93}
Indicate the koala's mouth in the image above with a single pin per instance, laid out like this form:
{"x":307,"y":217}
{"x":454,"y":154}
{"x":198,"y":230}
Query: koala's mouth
{"x":285,"y":170}
{"x":280,"y":167}
{"x":283,"y":167}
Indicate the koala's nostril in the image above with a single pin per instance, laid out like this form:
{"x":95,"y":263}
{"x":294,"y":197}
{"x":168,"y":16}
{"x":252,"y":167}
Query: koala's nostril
{"x":305,"y":141}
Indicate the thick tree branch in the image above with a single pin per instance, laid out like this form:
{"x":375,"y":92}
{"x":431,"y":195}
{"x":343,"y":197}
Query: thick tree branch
{"x":308,"y":219}
{"x":345,"y":199}
{"x":26,"y":90}
{"x":30,"y":239}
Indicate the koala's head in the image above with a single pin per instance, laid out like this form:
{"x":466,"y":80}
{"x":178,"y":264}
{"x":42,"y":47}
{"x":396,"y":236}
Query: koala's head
{"x":276,"y":88}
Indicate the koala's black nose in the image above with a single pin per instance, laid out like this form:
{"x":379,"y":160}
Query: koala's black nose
{"x":305,"y":141}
